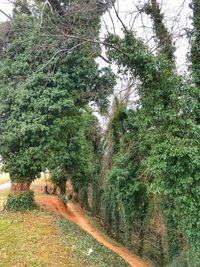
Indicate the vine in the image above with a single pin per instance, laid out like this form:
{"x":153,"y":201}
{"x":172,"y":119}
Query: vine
{"x":168,"y":136}
{"x":20,"y":202}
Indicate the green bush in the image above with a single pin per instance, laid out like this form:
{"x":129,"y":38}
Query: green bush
{"x":21,"y":202}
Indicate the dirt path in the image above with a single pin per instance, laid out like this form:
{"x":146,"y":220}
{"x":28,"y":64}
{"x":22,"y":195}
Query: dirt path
{"x":74,"y":213}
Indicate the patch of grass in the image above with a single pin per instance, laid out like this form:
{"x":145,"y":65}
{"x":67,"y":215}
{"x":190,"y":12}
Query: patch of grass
{"x":3,"y":197}
{"x":31,"y":239}
{"x":82,"y":243}
{"x":4,"y":177}
{"x":41,"y":239}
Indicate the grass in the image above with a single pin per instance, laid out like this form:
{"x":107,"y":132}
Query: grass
{"x":82,"y":242}
{"x":4,"y":177}
{"x":41,"y":239}
{"x":31,"y":239}
{"x":3,"y":196}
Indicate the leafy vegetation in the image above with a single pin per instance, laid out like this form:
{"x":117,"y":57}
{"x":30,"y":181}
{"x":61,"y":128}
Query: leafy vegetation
{"x":21,"y":201}
{"x":143,"y":179}
{"x":47,"y":243}
{"x":83,"y":242}
{"x":77,"y":155}
{"x":165,"y":142}
{"x":49,"y":89}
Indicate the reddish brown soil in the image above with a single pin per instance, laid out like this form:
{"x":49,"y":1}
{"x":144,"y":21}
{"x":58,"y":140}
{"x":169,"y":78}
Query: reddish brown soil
{"x":74,"y":213}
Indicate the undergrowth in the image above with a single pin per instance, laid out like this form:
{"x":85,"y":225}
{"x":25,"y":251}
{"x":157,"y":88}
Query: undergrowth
{"x":83,"y":244}
{"x":21,"y":202}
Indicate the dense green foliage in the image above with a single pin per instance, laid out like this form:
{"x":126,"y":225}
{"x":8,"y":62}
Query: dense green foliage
{"x":193,"y":56}
{"x":46,"y":84}
{"x":21,"y":202}
{"x":124,"y":189}
{"x":77,"y":154}
{"x":162,"y":34}
{"x":168,"y":136}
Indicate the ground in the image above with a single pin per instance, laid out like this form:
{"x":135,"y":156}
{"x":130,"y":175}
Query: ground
{"x":75,"y":214}
{"x":31,"y":239}
{"x":43,"y":238}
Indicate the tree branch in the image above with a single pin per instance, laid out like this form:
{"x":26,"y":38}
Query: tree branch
{"x":8,"y":16}
{"x":105,"y":59}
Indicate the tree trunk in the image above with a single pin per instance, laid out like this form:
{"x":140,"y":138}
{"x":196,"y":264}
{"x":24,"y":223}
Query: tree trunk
{"x":21,"y":198}
{"x":45,"y":190}
{"x":17,"y":188}
{"x":54,"y":191}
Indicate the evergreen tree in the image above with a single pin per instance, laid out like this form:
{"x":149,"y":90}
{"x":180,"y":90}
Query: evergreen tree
{"x":168,"y":140}
{"x":45,"y":80}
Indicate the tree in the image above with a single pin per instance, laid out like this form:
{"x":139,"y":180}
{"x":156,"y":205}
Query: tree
{"x":76,"y":156}
{"x":194,"y":53}
{"x":168,"y":133}
{"x":45,"y":80}
{"x":164,"y":139}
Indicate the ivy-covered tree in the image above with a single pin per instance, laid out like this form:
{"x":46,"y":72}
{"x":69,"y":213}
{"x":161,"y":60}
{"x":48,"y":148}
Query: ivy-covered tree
{"x":168,"y":134}
{"x":194,"y":54}
{"x":45,"y":80}
{"x":76,"y":156}
{"x":125,"y":194}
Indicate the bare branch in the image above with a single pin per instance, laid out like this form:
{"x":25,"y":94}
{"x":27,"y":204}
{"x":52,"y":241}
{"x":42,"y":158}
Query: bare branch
{"x":117,"y":15}
{"x":105,"y":59}
{"x":60,"y":51}
{"x":5,"y":14}
{"x":113,"y":24}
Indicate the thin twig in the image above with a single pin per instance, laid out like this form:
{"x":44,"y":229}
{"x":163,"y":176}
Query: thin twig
{"x":5,"y":14}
